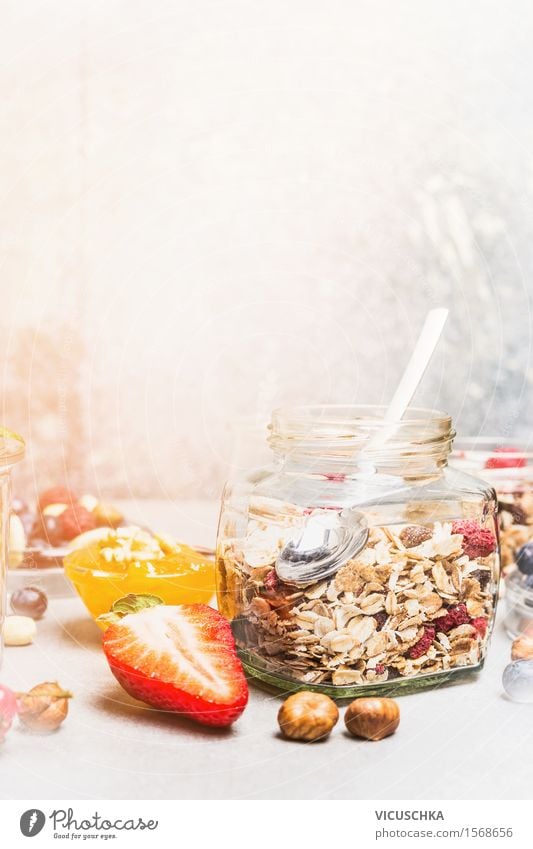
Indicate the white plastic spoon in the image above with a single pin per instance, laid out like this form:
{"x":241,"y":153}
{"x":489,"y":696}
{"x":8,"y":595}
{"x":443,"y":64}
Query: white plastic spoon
{"x":327,"y":541}
{"x":413,"y":373}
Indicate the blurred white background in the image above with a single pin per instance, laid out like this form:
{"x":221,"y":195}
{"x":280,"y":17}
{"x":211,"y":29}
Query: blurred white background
{"x":211,"y":209}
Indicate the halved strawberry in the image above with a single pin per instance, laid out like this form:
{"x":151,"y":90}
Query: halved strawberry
{"x":180,"y":659}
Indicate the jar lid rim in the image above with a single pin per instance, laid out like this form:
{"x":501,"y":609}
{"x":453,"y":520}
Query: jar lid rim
{"x":347,"y":433}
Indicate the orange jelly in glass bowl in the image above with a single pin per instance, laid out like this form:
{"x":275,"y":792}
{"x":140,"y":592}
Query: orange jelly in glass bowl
{"x":107,"y":564}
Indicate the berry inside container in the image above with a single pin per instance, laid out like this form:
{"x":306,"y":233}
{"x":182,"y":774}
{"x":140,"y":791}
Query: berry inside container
{"x":507,"y":466}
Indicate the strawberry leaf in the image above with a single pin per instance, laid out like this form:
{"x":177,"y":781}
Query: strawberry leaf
{"x":131,"y":603}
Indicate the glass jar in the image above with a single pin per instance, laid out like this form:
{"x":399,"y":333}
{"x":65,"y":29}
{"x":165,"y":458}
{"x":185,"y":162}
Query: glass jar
{"x":508,"y":468}
{"x":11,"y":451}
{"x":395,"y":557}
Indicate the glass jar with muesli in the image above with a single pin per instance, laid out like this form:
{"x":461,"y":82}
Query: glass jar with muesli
{"x":508,"y":468}
{"x":358,"y":561}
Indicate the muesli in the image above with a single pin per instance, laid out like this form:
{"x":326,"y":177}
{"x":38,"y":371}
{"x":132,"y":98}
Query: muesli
{"x":417,"y":600}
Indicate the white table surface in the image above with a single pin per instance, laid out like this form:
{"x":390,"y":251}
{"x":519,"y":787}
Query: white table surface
{"x":463,"y":741}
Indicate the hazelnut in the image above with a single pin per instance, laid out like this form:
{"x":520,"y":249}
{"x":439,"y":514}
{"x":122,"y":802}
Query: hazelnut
{"x":307,"y":716}
{"x":372,"y":719}
{"x":45,"y":706}
{"x":522,"y":649}
{"x":414,"y":535}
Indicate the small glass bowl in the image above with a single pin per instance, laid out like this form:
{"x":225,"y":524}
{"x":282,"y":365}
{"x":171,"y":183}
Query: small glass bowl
{"x":107,"y":564}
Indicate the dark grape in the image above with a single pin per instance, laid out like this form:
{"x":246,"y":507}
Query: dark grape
{"x":29,"y":601}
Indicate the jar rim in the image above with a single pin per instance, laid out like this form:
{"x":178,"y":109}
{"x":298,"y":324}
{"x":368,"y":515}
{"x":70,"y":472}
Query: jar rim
{"x":346,"y":431}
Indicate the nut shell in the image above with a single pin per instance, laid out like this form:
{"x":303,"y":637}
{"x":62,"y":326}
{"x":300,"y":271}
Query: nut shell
{"x":522,"y":648}
{"x":44,"y":708}
{"x":372,"y":719}
{"x":307,"y":716}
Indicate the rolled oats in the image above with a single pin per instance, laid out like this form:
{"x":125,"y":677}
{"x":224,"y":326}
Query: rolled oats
{"x":346,"y":675}
{"x":360,"y":626}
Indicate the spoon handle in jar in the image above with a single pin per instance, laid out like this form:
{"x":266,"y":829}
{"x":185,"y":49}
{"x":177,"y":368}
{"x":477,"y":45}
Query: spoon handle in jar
{"x":413,"y":374}
{"x":418,"y":363}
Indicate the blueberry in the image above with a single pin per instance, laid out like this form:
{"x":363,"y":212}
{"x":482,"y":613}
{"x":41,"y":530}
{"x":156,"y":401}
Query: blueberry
{"x":524,"y":559}
{"x":518,"y":681}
